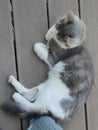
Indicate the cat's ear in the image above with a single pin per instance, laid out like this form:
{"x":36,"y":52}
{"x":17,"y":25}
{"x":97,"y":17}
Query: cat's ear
{"x":70,"y":16}
{"x":65,"y":20}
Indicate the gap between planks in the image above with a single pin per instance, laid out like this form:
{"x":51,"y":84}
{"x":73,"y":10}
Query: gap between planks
{"x":15,"y":49}
{"x":85,"y":105}
{"x":14,"y":40}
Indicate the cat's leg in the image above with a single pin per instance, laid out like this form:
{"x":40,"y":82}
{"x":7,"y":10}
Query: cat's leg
{"x":30,"y":94}
{"x":42,"y":52}
{"x":27,"y":106}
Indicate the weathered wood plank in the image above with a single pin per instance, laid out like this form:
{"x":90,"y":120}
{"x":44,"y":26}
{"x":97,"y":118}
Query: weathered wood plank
{"x":58,"y":8}
{"x":7,"y":65}
{"x":89,"y":11}
{"x":30,"y":27}
{"x":77,"y":123}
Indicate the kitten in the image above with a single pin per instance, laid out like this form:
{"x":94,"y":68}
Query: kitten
{"x":71,"y":74}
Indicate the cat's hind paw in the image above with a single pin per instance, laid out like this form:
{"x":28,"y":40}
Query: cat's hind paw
{"x":11,"y":78}
{"x":16,"y":97}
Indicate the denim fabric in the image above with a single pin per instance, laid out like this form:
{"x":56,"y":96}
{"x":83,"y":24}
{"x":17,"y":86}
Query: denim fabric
{"x":43,"y":123}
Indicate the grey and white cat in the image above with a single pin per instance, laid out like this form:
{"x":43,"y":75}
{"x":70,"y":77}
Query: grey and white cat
{"x":71,"y":74}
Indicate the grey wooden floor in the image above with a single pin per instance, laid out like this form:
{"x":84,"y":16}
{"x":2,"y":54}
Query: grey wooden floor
{"x":24,"y":22}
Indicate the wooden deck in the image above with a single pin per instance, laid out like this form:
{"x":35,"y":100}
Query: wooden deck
{"x":24,"y":22}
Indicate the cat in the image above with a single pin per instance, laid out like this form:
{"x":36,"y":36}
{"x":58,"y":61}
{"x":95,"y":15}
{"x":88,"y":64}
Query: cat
{"x":71,"y":73}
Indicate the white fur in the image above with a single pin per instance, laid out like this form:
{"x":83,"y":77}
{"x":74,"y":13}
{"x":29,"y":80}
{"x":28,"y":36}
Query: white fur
{"x":42,"y":52}
{"x":51,"y":33}
{"x":29,"y":94}
{"x":49,"y":94}
{"x":24,"y":103}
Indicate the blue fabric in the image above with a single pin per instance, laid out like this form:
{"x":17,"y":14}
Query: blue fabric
{"x":43,"y":123}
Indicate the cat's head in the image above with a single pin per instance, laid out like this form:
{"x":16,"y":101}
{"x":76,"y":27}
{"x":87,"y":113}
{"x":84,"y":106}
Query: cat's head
{"x":68,"y":32}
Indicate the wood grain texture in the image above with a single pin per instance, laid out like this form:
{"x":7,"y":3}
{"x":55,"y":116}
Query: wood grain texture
{"x":7,"y":65}
{"x":30,"y":27}
{"x":89,"y":13}
{"x":58,"y":8}
{"x":77,"y":123}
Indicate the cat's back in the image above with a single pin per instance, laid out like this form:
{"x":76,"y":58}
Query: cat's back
{"x":79,"y":73}
{"x":79,"y":78}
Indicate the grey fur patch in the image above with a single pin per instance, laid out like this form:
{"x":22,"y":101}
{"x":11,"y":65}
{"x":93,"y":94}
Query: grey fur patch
{"x":68,"y":29}
{"x":79,"y":78}
{"x":71,"y":29}
{"x":78,"y":70}
{"x":69,"y":108}
{"x":56,"y":53}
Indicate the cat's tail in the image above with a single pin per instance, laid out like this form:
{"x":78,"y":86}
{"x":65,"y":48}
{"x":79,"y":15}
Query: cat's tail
{"x":13,"y":108}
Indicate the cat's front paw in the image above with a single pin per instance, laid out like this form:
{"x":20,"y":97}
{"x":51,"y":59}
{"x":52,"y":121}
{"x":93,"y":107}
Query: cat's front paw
{"x":38,"y":47}
{"x":11,"y":78}
{"x":41,"y":50}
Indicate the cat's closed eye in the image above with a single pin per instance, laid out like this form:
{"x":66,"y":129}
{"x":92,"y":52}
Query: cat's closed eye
{"x":59,"y":26}
{"x":60,"y":36}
